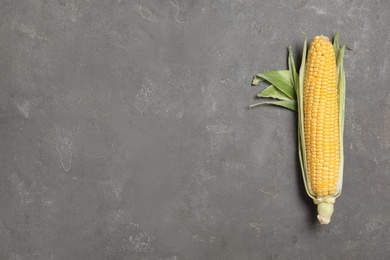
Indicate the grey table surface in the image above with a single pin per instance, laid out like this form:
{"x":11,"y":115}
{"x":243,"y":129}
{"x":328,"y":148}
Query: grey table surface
{"x":126,"y":134}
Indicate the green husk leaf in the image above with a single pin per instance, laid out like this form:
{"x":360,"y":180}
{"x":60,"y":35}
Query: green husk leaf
{"x":301,"y":132}
{"x":256,"y":80}
{"x":336,"y":46}
{"x":293,"y":71}
{"x":290,"y":104}
{"x":342,"y":89}
{"x":281,"y":79}
{"x":272,"y":92}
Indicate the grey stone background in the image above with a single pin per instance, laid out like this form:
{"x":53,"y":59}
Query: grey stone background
{"x":125,"y":132}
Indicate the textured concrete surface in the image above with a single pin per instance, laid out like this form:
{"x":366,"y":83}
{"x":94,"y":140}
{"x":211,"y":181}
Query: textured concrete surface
{"x":125,"y":132}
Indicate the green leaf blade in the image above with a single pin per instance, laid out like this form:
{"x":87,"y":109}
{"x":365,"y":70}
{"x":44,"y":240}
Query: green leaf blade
{"x":272,"y":92}
{"x":290,"y":104}
{"x":280,"y":79}
{"x":293,"y":71}
{"x":301,"y":132}
{"x":341,"y":89}
{"x":256,"y":80}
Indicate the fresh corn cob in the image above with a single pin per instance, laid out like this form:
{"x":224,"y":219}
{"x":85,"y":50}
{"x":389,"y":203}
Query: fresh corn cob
{"x":321,"y":120}
{"x":318,"y":95}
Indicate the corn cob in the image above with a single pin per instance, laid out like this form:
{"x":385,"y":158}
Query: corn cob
{"x":318,"y":97}
{"x":321,"y":121}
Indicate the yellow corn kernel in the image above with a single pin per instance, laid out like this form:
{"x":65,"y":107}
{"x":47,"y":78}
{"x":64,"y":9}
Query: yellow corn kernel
{"x":321,"y":118}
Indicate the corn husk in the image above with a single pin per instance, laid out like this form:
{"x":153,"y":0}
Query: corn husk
{"x":286,"y":90}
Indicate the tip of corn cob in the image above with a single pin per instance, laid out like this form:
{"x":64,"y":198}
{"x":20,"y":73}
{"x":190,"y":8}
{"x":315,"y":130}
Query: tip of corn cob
{"x":325,"y":211}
